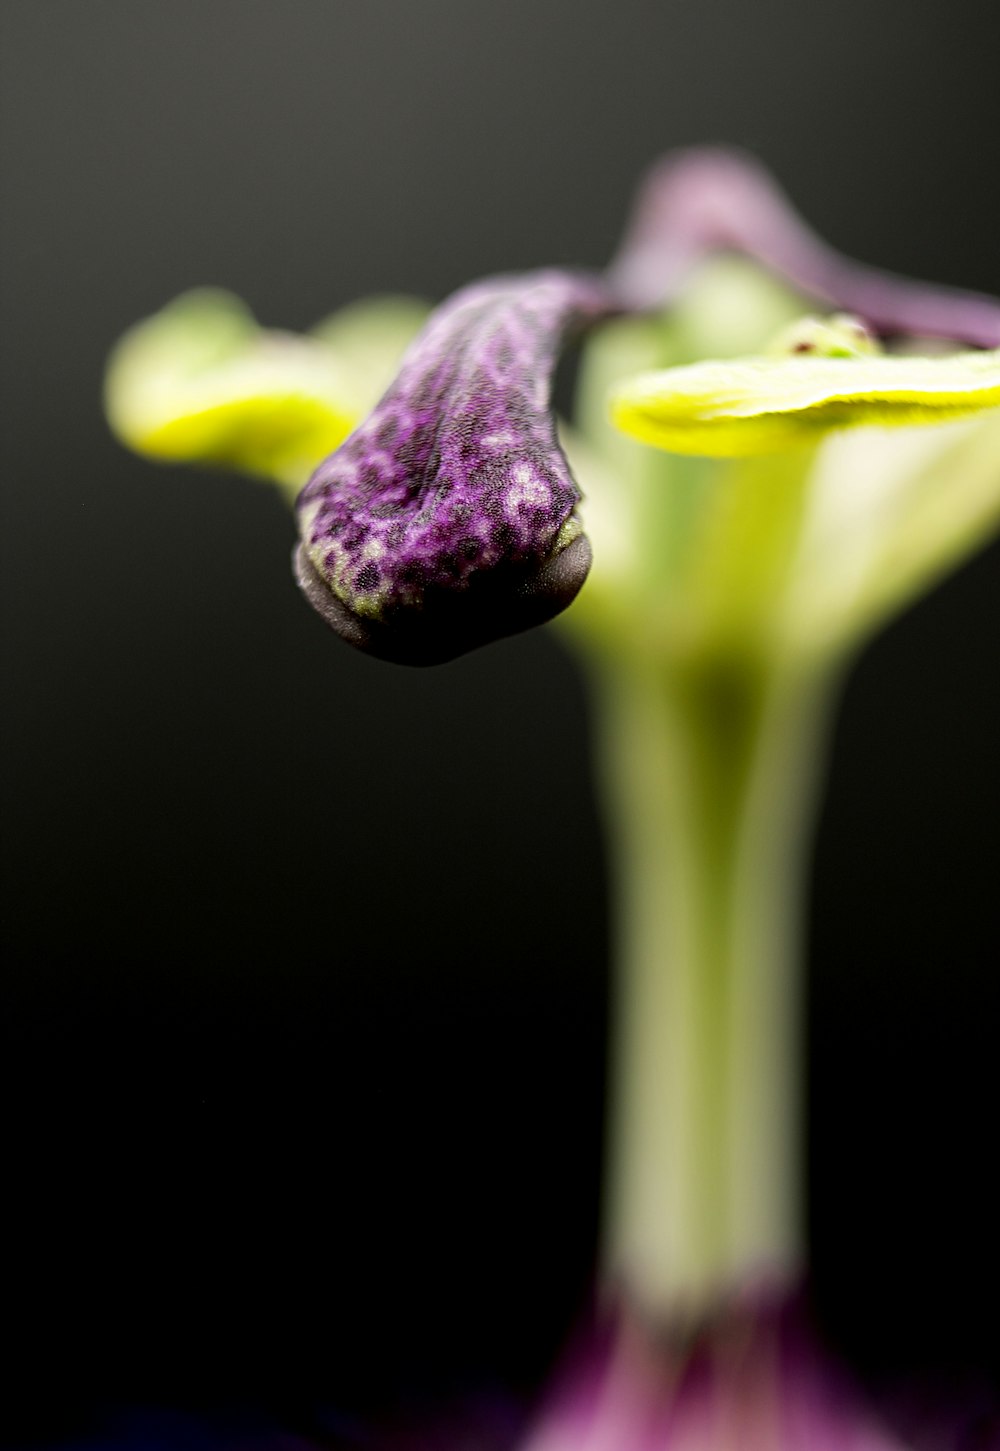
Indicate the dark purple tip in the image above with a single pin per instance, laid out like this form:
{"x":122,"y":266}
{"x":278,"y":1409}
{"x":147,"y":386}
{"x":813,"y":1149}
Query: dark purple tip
{"x":503,"y":602}
{"x":447,"y":518}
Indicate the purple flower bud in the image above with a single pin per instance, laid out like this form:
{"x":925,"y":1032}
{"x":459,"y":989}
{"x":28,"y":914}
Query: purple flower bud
{"x":448,"y":518}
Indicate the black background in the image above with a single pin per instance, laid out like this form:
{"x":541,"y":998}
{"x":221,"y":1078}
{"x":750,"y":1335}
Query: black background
{"x":305,"y":991}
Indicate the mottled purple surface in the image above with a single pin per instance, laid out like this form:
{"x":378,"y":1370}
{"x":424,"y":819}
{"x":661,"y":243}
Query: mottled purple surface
{"x":456,"y":475}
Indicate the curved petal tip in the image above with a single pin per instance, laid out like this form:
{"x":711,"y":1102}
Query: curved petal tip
{"x":503,"y":602}
{"x":448,"y":518}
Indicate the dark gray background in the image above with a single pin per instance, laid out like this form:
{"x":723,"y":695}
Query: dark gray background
{"x":306,"y":975}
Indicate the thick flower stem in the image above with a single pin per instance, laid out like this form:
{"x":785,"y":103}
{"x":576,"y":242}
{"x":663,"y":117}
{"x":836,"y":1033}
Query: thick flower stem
{"x":709,"y":771}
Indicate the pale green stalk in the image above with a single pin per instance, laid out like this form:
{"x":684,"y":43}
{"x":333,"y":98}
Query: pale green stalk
{"x":709,"y":776}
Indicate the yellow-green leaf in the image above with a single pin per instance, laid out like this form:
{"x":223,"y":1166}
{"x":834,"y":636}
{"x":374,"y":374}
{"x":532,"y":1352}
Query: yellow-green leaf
{"x":201,"y":382}
{"x":765,"y":405}
{"x":369,"y":337}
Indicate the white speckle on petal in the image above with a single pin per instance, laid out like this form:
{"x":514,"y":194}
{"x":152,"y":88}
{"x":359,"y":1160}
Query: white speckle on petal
{"x":495,"y":442}
{"x":527,"y":490}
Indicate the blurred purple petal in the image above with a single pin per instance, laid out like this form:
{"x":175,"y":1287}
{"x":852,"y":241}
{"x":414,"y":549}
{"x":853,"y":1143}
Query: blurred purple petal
{"x":696,"y":202}
{"x":751,"y":1378}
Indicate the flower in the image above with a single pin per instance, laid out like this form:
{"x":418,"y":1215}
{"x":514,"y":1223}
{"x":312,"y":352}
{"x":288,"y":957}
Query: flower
{"x":450,"y":515}
{"x":793,"y":498}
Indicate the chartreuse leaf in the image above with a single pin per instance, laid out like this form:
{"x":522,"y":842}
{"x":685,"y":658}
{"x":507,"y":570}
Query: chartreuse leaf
{"x":819,"y":527}
{"x":765,"y":405}
{"x":202,"y":382}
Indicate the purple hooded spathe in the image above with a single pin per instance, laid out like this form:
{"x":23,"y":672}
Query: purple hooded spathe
{"x":448,"y":517}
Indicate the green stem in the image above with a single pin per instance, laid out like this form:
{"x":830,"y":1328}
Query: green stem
{"x":709,"y":775}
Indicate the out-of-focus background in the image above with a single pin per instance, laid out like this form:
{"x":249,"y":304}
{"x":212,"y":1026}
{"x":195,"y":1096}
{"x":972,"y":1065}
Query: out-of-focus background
{"x":304,"y":1018}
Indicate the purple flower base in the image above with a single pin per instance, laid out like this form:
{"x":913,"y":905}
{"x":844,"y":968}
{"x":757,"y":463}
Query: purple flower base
{"x":753,"y":1377}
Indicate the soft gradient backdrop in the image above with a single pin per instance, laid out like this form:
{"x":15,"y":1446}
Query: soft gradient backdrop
{"x":305,"y":990}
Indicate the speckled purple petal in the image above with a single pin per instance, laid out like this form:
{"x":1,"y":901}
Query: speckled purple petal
{"x":447,"y":519}
{"x":710,"y":199}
